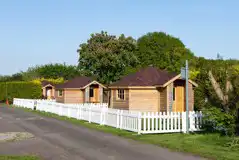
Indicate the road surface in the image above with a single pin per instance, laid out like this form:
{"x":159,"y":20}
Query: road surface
{"x":60,"y":140}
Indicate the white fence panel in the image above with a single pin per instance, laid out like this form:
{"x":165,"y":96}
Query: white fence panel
{"x":111,"y":117}
{"x":129,"y":120}
{"x":161,"y":122}
{"x":142,"y":123}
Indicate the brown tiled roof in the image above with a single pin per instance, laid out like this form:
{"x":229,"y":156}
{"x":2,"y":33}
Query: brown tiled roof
{"x":77,"y":82}
{"x":149,"y":76}
{"x":45,"y":82}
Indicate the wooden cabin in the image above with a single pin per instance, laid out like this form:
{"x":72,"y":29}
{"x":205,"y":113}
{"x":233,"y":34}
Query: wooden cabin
{"x":48,"y":90}
{"x":80,"y":90}
{"x":151,"y":90}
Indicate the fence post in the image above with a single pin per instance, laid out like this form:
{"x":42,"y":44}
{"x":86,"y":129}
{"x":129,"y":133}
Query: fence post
{"x":200,"y":120}
{"x":139,"y":122}
{"x":68,"y":111}
{"x":184,"y":121}
{"x":78,"y":112}
{"x":192,"y":121}
{"x":101,"y":116}
{"x":118,"y":119}
{"x":104,"y":116}
{"x":35,"y":105}
{"x":90,"y":114}
{"x":121,"y":119}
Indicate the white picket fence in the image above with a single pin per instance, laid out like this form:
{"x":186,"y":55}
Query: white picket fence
{"x":142,"y":123}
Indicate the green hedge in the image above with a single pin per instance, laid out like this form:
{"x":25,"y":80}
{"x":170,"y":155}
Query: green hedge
{"x":27,"y":90}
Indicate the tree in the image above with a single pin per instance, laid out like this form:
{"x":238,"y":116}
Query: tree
{"x":51,"y":71}
{"x":14,"y":77}
{"x":163,"y":51}
{"x":217,"y":94}
{"x":106,"y":57}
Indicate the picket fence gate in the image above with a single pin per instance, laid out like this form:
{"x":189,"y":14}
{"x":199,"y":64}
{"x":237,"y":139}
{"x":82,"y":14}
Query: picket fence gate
{"x":140,"y":122}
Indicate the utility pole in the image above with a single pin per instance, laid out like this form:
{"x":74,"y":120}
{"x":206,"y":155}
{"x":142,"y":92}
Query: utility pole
{"x":185,"y":76}
{"x":187,"y":112}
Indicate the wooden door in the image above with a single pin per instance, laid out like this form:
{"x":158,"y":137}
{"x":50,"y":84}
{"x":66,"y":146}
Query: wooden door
{"x":179,"y":99}
{"x":94,"y":94}
{"x":49,"y":93}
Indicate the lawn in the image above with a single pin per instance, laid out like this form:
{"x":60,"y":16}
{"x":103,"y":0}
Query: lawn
{"x":18,"y":158}
{"x":212,"y":146}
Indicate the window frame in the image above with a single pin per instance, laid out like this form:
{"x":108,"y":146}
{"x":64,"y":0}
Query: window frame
{"x":60,"y":91}
{"x":120,"y":94}
{"x":91,"y":89}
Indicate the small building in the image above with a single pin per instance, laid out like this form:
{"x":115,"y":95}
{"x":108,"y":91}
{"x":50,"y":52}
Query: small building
{"x":151,"y":90}
{"x":81,"y":90}
{"x":48,"y":90}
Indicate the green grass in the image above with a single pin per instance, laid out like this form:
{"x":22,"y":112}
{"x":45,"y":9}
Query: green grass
{"x":212,"y":146}
{"x":18,"y":158}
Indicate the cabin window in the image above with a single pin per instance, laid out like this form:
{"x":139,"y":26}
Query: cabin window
{"x":60,"y":93}
{"x":91,"y":92}
{"x":174,"y":93}
{"x":120,"y":94}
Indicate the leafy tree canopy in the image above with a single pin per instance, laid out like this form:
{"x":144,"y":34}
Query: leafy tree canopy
{"x":163,"y":51}
{"x":53,"y":71}
{"x":106,"y":56}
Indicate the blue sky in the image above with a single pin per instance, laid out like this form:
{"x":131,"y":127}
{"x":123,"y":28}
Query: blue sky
{"x":50,"y":31}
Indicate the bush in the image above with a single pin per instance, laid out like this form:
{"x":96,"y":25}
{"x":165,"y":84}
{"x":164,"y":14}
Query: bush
{"x":215,"y":120}
{"x":54,"y":81}
{"x":28,"y":90}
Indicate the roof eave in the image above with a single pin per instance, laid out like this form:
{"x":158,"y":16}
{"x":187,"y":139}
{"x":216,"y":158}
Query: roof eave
{"x":131,"y":87}
{"x":94,"y":82}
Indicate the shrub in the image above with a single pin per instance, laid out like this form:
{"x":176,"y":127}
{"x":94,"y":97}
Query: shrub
{"x":12,"y":90}
{"x":215,"y":120}
{"x":54,"y":81}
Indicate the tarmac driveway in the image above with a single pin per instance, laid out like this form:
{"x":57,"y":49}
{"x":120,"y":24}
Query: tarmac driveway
{"x":58,"y":140}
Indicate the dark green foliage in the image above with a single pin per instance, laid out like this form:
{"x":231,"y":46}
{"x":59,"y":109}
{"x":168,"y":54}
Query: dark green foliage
{"x":223,"y":115}
{"x":47,"y":71}
{"x":216,"y":120}
{"x":14,"y":77}
{"x":52,"y":71}
{"x":27,"y":90}
{"x":106,"y":56}
{"x":163,"y":51}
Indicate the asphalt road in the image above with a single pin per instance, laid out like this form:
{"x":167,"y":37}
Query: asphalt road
{"x":58,"y":140}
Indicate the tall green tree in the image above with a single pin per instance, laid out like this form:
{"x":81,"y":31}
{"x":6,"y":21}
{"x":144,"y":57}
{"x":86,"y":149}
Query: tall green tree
{"x":53,"y":71}
{"x":163,"y":51}
{"x":106,"y":57}
{"x":217,"y":93}
{"x":14,"y":77}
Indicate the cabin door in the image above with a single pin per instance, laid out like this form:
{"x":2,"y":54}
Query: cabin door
{"x":94,"y":94}
{"x":48,"y":93}
{"x":179,"y":102}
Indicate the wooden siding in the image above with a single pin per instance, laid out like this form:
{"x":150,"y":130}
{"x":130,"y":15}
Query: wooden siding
{"x":190,"y":97}
{"x":43,"y":91}
{"x":105,"y":96}
{"x":120,"y":104}
{"x":60,"y":99}
{"x":170,"y":101}
{"x":163,"y":99}
{"x":145,"y":100}
{"x":73,"y":96}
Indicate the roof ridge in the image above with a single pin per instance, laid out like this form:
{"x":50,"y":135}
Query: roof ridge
{"x":147,"y":76}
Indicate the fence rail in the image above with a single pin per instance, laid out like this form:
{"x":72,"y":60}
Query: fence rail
{"x":142,"y":123}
